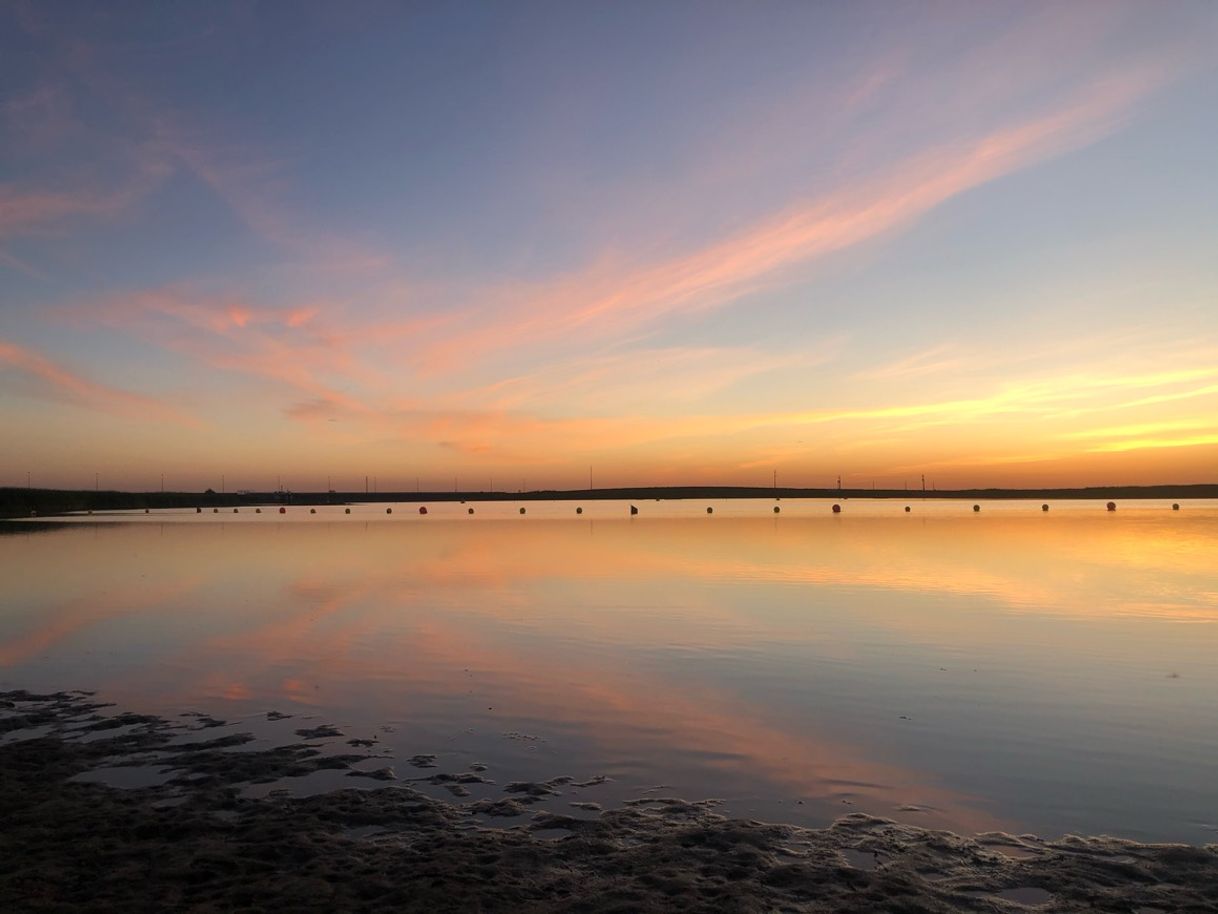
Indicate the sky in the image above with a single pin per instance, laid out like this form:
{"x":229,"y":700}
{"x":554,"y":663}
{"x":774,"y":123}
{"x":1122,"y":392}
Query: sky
{"x":522,"y":245}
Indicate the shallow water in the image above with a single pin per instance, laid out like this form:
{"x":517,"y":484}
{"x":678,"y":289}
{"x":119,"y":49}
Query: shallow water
{"x":1006,"y":669}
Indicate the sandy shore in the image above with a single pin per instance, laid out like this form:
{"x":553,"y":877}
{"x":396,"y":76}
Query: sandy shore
{"x":192,"y":842}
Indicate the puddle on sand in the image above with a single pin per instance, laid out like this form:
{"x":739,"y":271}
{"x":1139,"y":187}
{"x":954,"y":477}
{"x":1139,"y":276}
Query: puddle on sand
{"x":1025,"y":895}
{"x":125,"y":777}
{"x":860,"y":860}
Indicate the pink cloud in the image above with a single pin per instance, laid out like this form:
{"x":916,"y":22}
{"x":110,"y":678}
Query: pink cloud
{"x":71,"y":387}
{"x":614,"y":297}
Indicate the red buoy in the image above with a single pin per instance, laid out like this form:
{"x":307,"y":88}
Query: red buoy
{"x":422,"y":509}
{"x":283,"y":510}
{"x":837,"y":509}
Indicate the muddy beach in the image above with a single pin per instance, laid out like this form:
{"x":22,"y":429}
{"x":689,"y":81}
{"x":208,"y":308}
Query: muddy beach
{"x":187,"y":839}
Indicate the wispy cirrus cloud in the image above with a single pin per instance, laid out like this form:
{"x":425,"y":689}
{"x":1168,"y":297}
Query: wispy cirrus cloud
{"x":615,"y":297}
{"x":60,"y":383}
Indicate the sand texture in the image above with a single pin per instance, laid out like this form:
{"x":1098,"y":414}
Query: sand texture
{"x":192,"y":842}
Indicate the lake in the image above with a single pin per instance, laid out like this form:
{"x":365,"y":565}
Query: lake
{"x":1011,"y":669}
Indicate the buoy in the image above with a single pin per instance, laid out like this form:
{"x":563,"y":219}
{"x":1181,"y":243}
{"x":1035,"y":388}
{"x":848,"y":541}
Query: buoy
{"x":710,"y":510}
{"x":522,"y":510}
{"x":976,"y":508}
{"x":1044,"y":507}
{"x":777,"y":509}
{"x":235,"y":511}
{"x":312,"y":510}
{"x":346,"y":511}
{"x":1175,"y":506}
{"x":579,"y":510}
{"x":145,"y":510}
{"x":283,"y":510}
{"x":422,"y":509}
{"x":198,"y":510}
{"x":469,"y":510}
{"x":1112,"y":506}
{"x":907,"y":509}
{"x":837,"y":509}
{"x":390,"y":511}
{"x":257,"y":510}
{"x":633,"y":510}
{"x":213,"y":511}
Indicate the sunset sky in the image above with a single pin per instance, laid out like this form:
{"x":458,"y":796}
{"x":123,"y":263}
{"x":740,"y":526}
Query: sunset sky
{"x":671,"y":242}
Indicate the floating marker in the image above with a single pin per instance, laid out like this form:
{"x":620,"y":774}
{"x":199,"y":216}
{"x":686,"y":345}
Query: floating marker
{"x":235,"y":511}
{"x":1112,"y":506}
{"x":1044,"y":507}
{"x":469,"y":511}
{"x":837,"y":509}
{"x":198,"y":510}
{"x":579,"y":510}
{"x":710,"y":510}
{"x":522,"y":510}
{"x":347,"y":511}
{"x":422,"y":509}
{"x":777,"y":509}
{"x":1175,"y":506}
{"x":213,"y":511}
{"x":907,"y":509}
{"x":145,"y":510}
{"x":976,"y":508}
{"x":257,"y":510}
{"x":390,"y":510}
{"x":283,"y":510}
{"x":312,"y":510}
{"x":633,"y":510}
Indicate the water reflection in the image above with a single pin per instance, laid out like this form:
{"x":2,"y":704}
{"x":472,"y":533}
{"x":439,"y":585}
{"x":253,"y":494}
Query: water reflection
{"x":1008,"y":670}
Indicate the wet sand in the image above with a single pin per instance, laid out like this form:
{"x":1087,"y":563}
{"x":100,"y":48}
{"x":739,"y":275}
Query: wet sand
{"x":186,"y":838}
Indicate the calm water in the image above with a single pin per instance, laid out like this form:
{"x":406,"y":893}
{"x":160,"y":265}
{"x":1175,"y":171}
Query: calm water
{"x":1009,"y":669}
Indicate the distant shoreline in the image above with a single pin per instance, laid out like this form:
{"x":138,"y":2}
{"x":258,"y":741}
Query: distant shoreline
{"x":21,"y":502}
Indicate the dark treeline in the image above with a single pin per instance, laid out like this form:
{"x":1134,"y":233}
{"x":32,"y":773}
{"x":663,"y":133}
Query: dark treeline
{"x":22,"y":502}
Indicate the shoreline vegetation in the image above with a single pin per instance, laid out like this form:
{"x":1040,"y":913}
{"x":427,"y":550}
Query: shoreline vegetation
{"x":22,"y":502}
{"x":192,"y":840}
